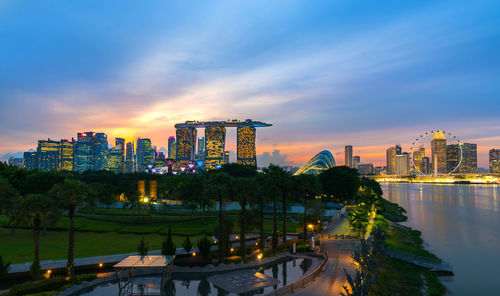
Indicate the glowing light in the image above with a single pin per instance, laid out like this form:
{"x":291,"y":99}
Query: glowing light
{"x":259,"y":256}
{"x":191,"y":166}
{"x":49,"y":271}
{"x":145,"y":199}
{"x":232,"y":250}
{"x":100,"y":265}
{"x":237,"y":237}
{"x":194,"y":254}
{"x":183,"y":169}
{"x":310,"y":226}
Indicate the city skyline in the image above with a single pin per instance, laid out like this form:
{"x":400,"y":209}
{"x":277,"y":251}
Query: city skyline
{"x":324,"y":79}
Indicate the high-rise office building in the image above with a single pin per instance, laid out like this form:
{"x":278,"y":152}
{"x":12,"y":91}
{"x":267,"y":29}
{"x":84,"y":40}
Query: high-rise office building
{"x":417,"y":158}
{"x":403,"y":164}
{"x":215,"y":141}
{"x":15,"y":161}
{"x":356,"y":160}
{"x":130,"y":158}
{"x":453,"y":153}
{"x":438,"y":149}
{"x":200,"y":155}
{"x":226,"y":157}
{"x":67,"y":155}
{"x":469,"y":158}
{"x":30,"y":160}
{"x":171,"y":147}
{"x":115,"y":159}
{"x":185,"y":146}
{"x":365,"y":168}
{"x":49,"y":155}
{"x":145,"y":154}
{"x":398,"y":150}
{"x":100,"y":151}
{"x":426,"y":166}
{"x":391,"y":160}
{"x":494,"y":161}
{"x":84,"y":158}
{"x":160,"y":160}
{"x":348,"y":156}
{"x":246,"y":153}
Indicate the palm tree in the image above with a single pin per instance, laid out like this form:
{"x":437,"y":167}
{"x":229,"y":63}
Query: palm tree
{"x":244,"y":189}
{"x":69,"y":195}
{"x":273,"y":192}
{"x":260,"y":200}
{"x":37,"y":207}
{"x":282,"y":180}
{"x":307,"y":187}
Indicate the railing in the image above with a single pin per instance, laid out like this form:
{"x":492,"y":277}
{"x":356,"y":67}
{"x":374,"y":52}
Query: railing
{"x":430,"y":263}
{"x":301,"y":282}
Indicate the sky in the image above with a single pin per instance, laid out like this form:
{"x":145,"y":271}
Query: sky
{"x":325,"y":73}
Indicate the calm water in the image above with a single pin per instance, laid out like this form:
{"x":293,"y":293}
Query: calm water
{"x":460,"y":224}
{"x":196,"y":284}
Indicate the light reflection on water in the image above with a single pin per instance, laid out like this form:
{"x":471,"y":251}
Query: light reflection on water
{"x":460,"y":224}
{"x":196,"y":284}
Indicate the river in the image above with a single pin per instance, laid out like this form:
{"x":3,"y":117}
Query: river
{"x":461,"y":225}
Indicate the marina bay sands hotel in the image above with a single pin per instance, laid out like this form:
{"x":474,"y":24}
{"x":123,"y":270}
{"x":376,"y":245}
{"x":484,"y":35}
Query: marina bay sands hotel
{"x":215,"y":138}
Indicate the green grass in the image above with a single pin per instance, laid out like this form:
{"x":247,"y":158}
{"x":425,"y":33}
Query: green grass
{"x":407,"y":240}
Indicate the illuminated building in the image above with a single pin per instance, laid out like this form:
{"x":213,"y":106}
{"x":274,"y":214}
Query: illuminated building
{"x":226,"y":157}
{"x":320,"y":162}
{"x":67,"y":155}
{"x":438,"y":149}
{"x":30,"y":160}
{"x":115,"y":159}
{"x":48,"y":155}
{"x":348,"y":156}
{"x":403,"y":164}
{"x":391,"y":160}
{"x":494,"y":160}
{"x":469,"y":158}
{"x":417,"y":158}
{"x":200,"y":154}
{"x":145,"y":154}
{"x":215,"y":142}
{"x":365,"y":168}
{"x":130,"y":158}
{"x":100,"y":151}
{"x":15,"y":161}
{"x":171,"y":148}
{"x":246,"y":153}
{"x":83,"y":152}
{"x":159,"y":160}
{"x":398,"y":150}
{"x":426,"y":166}
{"x":355,"y":161}
{"x":185,"y":137}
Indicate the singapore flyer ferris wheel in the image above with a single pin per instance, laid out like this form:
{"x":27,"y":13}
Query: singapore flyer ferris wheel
{"x":436,"y":152}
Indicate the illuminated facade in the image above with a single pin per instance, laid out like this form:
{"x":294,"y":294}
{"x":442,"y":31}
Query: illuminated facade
{"x":226,"y":157}
{"x":348,"y":156}
{"x":145,"y":154}
{"x":426,"y":166}
{"x":453,"y":157}
{"x":391,"y":160}
{"x":186,"y":143}
{"x":417,"y":158}
{"x":83,"y":152}
{"x":115,"y":159}
{"x":15,"y":161}
{"x":130,"y":158}
{"x":171,"y":148}
{"x":100,"y":151}
{"x":49,"y":155}
{"x":321,"y":161}
{"x":215,"y":141}
{"x":246,"y":153}
{"x":356,"y":160}
{"x":438,"y":149}
{"x":469,"y":158}
{"x":200,"y":154}
{"x":403,"y":164}
{"x":494,"y":160}
{"x":67,"y":155}
{"x":30,"y":160}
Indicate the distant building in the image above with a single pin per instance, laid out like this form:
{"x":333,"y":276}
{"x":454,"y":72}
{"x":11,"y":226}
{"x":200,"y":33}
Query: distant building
{"x":67,"y":155}
{"x":494,"y":160}
{"x":226,"y":157}
{"x":391,"y":160}
{"x":130,"y":158}
{"x":100,"y":151}
{"x":453,"y":154}
{"x":438,"y":149}
{"x":245,"y":142}
{"x":365,"y":168}
{"x":403,"y":164}
{"x":115,"y":159}
{"x":30,"y":160}
{"x":355,"y":161}
{"x":15,"y":161}
{"x":482,"y":170}
{"x":215,"y":140}
{"x":145,"y":154}
{"x":417,"y":158}
{"x":200,"y":155}
{"x":348,"y":156}
{"x":426,"y":166}
{"x":48,"y":153}
{"x":171,"y":147}
{"x":398,"y":150}
{"x":469,"y":158}
{"x":160,"y":160}
{"x":185,"y":145}
{"x":83,"y":158}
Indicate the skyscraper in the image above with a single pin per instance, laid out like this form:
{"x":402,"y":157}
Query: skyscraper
{"x":494,"y":160}
{"x":16,"y":161}
{"x":398,"y":150}
{"x":391,"y":160}
{"x":145,"y":154}
{"x":438,"y":149}
{"x":100,"y":151}
{"x":120,"y":142}
{"x":356,"y":160}
{"x":49,"y":155}
{"x":417,"y":157}
{"x":403,"y":164}
{"x":186,"y":143}
{"x":469,"y":158}
{"x":30,"y":160}
{"x":130,"y":158}
{"x":115,"y":159}
{"x":67,"y":155}
{"x":426,"y":166}
{"x":171,"y":147}
{"x":453,"y":153}
{"x":245,"y":142}
{"x":215,"y":140}
{"x":226,"y":157}
{"x":348,"y":156}
{"x":83,"y":152}
{"x":200,"y":155}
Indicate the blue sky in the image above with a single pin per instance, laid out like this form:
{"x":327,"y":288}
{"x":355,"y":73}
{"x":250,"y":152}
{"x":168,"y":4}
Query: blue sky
{"x":325,"y":73}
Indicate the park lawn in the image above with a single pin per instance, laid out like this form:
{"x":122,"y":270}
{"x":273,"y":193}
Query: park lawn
{"x":407,"y":240}
{"x":18,"y":248}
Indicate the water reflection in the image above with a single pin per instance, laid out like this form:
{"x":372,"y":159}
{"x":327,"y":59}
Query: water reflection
{"x":460,"y":223}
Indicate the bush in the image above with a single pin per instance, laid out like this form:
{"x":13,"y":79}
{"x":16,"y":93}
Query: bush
{"x":4,"y":268}
{"x":204,"y":246}
{"x":142,"y":249}
{"x":167,"y":246}
{"x":49,"y":286}
{"x":187,"y":245}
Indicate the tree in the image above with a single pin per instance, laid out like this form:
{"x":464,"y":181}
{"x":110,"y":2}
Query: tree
{"x":359,"y":217}
{"x":281,"y":179}
{"x":187,"y":245}
{"x":306,"y":186}
{"x":261,"y":195}
{"x":340,"y":184}
{"x":69,"y":195}
{"x":142,"y":248}
{"x":204,"y":246}
{"x":4,"y":268}
{"x":243,"y":190}
{"x":37,"y":207}
{"x":167,"y":246}
{"x":9,"y":203}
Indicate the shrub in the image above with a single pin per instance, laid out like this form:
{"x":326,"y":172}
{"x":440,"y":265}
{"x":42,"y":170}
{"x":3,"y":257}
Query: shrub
{"x":204,"y":246}
{"x":167,"y":246}
{"x":187,"y":245}
{"x":49,"y":286}
{"x":142,"y":249}
{"x":4,"y":268}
